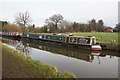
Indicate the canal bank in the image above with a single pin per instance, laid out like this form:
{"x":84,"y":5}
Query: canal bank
{"x":16,"y":65}
{"x":107,"y":41}
{"x":112,"y":47}
{"x":83,"y":63}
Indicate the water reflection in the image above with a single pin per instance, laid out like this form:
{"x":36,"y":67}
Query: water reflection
{"x":83,"y":63}
{"x":81,"y":54}
{"x":25,"y":49}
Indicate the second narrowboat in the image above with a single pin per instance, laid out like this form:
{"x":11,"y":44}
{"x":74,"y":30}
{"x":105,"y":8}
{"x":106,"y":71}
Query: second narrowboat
{"x":13,"y":35}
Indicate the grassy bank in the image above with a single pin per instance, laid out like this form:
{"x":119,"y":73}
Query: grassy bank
{"x":106,"y":38}
{"x":15,"y":65}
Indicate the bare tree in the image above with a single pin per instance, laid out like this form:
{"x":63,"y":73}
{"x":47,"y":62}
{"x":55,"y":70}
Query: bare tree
{"x":23,"y":19}
{"x":92,"y":25}
{"x":100,"y":26}
{"x":56,"y":20}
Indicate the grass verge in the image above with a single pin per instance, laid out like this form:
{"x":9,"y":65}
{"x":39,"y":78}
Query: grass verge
{"x":101,"y":37}
{"x":15,"y":65}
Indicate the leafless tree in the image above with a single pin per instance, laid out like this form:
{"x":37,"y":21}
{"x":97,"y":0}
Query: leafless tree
{"x":92,"y":25}
{"x":56,"y":20}
{"x":23,"y":19}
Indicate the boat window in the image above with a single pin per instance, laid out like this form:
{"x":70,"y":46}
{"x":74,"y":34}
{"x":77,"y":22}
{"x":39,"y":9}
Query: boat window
{"x":60,"y":38}
{"x":40,"y":37}
{"x":44,"y":36}
{"x":48,"y":36}
{"x":87,"y":40}
{"x":93,"y":41}
{"x":84,"y":40}
{"x":27,"y":35}
{"x":73,"y":39}
{"x":67,"y":39}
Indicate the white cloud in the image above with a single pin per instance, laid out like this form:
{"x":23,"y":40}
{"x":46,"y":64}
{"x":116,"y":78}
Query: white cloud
{"x":72,"y":10}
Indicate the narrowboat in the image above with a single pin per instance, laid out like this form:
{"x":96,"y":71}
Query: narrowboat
{"x":87,"y":41}
{"x":13,"y":35}
{"x":44,"y":37}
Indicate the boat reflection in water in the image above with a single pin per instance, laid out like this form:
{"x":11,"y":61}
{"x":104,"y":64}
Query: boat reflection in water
{"x":83,"y":63}
{"x":25,"y":49}
{"x":81,"y":54}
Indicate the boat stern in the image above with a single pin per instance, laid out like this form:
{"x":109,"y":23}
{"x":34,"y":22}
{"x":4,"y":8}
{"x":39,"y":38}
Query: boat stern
{"x":96,"y":47}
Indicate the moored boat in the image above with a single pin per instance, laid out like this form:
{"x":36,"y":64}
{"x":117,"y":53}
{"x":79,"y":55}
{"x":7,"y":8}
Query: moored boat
{"x":14,"y":35}
{"x":88,"y":41}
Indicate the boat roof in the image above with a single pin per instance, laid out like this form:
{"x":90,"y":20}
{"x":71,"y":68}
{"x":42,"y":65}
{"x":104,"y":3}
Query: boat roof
{"x":63,"y":34}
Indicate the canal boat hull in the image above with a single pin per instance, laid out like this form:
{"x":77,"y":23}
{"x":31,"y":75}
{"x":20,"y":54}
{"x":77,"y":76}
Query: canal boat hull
{"x":96,"y":47}
{"x":47,"y":42}
{"x":75,"y":41}
{"x":11,"y":37}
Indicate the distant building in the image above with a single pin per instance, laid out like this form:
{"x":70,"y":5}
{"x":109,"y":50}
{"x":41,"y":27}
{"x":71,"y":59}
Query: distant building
{"x":108,"y":30}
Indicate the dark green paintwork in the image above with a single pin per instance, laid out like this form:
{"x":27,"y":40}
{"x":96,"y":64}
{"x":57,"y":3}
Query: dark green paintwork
{"x":57,"y":38}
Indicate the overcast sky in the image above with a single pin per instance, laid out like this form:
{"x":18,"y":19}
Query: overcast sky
{"x":72,"y":10}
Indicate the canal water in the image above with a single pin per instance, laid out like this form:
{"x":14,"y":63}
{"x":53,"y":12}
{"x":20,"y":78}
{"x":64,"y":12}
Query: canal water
{"x":82,"y":62}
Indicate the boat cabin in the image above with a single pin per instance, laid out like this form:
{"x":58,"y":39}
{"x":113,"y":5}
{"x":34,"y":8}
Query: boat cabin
{"x":82,"y":40}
